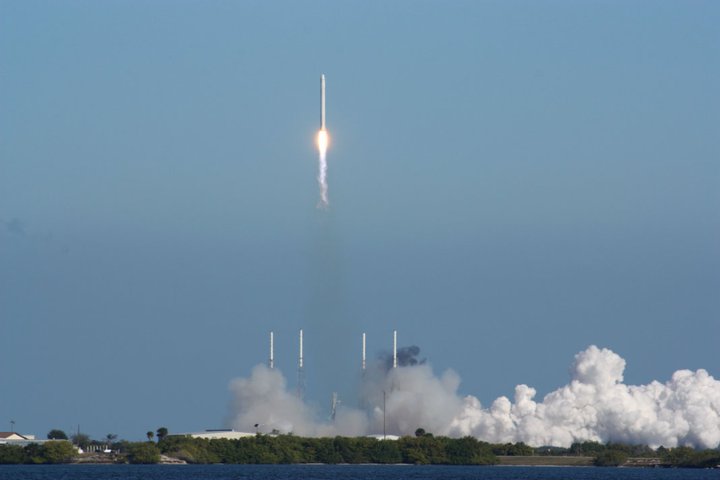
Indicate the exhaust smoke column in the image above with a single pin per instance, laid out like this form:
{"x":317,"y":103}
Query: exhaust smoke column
{"x":322,"y":140}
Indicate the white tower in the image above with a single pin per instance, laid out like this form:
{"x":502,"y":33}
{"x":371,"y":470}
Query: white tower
{"x":363,"y":353}
{"x":395,"y":349}
{"x":301,"y":370}
{"x":271,"y":362}
{"x":300,"y":358}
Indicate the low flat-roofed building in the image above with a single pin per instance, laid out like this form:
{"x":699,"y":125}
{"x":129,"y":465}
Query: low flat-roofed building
{"x":213,"y":434}
{"x":380,"y":436}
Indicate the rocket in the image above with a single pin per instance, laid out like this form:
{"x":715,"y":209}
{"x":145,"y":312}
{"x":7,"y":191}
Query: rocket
{"x":323,"y":140}
{"x":322,"y":102}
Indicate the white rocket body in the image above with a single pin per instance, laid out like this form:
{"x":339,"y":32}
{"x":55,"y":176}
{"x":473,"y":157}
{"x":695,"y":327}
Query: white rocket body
{"x":322,"y":102}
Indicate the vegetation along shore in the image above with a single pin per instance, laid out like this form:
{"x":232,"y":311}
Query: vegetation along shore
{"x":423,"y":448}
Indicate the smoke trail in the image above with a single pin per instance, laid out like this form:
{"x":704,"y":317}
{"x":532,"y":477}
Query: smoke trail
{"x":322,"y":179}
{"x":594,"y":406}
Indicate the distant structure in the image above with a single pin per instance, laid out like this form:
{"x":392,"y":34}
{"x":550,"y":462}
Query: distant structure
{"x":271,"y":361}
{"x":364,"y":363}
{"x":301,"y":371}
{"x":12,"y":436}
{"x":215,"y":434}
{"x":333,"y":406}
{"x":382,"y":436}
{"x":22,"y":439}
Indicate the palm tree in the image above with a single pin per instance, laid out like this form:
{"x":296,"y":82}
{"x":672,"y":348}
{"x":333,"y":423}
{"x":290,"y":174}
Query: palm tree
{"x":150,"y":435}
{"x":161,"y":433}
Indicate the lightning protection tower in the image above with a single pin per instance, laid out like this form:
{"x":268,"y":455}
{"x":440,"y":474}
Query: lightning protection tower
{"x":301,"y":371}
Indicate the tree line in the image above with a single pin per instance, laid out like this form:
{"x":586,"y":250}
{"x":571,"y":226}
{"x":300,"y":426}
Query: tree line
{"x":422,"y":449}
{"x":291,"y":449}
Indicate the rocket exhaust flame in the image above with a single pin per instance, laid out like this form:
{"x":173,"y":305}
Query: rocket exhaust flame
{"x":322,"y":140}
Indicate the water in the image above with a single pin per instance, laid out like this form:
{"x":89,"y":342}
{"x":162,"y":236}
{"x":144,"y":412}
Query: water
{"x":341,"y":472}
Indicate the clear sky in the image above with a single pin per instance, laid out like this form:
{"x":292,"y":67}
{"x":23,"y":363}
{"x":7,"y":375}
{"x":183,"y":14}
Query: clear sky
{"x":510,"y":182}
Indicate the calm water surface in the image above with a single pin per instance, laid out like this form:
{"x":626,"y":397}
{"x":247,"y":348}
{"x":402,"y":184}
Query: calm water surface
{"x":342,"y":472}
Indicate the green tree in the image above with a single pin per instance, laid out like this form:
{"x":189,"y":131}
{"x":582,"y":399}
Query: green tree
{"x":150,"y":435}
{"x":587,"y":448}
{"x":161,"y":433}
{"x":143,"y":452}
{"x":56,"y":434}
{"x":81,"y":440}
{"x":60,"y":451}
{"x":468,"y":451}
{"x":353,"y":450}
{"x":11,"y":455}
{"x":33,"y":453}
{"x":385,"y":451}
{"x":413,"y":449}
{"x":610,"y":458}
{"x":520,"y":449}
{"x":325,"y":451}
{"x":420,"y":432}
{"x":689,"y":458}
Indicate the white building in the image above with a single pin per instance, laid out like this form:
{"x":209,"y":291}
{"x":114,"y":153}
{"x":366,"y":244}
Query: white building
{"x":10,"y":437}
{"x":213,"y":434}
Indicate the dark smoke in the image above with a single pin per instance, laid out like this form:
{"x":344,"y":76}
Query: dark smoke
{"x":407,"y":357}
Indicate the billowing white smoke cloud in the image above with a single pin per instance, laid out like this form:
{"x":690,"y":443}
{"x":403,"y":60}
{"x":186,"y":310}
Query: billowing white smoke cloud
{"x":264,"y":399}
{"x":595,"y":405}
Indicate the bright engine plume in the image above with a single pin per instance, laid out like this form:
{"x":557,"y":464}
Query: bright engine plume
{"x":323,"y":139}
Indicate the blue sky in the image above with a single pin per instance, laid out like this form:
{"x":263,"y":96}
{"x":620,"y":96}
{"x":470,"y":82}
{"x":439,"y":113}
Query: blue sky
{"x":509,"y":183}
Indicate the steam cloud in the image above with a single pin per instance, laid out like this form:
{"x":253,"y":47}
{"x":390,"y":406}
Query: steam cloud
{"x":594,"y":406}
